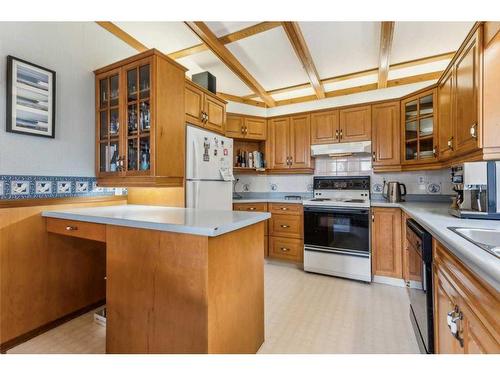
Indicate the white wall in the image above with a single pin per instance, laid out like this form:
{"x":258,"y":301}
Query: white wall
{"x":73,"y":50}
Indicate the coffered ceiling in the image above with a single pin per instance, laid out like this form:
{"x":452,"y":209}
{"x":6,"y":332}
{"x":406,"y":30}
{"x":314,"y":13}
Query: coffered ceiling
{"x":301,"y":60}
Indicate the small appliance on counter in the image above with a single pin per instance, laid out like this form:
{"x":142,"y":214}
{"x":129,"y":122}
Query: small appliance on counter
{"x":477,"y":185}
{"x":393,"y":193}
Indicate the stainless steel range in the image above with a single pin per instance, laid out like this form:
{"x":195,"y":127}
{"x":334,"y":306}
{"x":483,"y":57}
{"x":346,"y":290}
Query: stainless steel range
{"x":337,"y":228}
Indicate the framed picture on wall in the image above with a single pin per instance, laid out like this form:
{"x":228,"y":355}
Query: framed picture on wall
{"x":31,"y":94}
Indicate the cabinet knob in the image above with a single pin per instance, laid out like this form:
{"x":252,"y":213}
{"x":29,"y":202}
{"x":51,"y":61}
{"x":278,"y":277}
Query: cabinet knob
{"x":450,"y":143}
{"x":284,"y":208}
{"x":473,"y":130}
{"x":284,"y":249}
{"x":285,"y":226}
{"x":251,"y":208}
{"x":70,"y":228}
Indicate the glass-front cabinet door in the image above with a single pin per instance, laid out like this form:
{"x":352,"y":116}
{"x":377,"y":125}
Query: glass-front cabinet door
{"x":108,"y":123}
{"x":138,"y":117}
{"x":419,"y":128}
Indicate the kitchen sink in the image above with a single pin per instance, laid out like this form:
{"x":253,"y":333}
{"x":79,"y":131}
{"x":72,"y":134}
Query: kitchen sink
{"x":487,"y":239}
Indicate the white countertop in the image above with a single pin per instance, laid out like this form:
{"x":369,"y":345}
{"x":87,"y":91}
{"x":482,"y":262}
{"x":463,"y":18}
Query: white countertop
{"x":434,"y":217}
{"x":169,"y":219}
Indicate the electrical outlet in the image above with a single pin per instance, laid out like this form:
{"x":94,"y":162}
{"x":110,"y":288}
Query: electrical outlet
{"x":421,"y":180}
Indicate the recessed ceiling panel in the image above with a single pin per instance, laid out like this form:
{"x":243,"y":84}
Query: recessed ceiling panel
{"x":165,"y":36}
{"x":435,"y":66}
{"x":293,"y":94}
{"x":342,"y":47}
{"x":270,"y":59}
{"x":224,"y":28}
{"x":227,"y":81}
{"x":414,"y":40}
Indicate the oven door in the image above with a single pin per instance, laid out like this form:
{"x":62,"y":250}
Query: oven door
{"x":338,"y":230}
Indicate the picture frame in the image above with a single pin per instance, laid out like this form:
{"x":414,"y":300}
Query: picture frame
{"x":31,"y":98}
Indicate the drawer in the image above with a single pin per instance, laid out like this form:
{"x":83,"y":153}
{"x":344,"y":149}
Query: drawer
{"x":286,"y":248}
{"x":80,"y":229}
{"x":258,"y":207}
{"x":286,"y":225}
{"x":286,"y":208}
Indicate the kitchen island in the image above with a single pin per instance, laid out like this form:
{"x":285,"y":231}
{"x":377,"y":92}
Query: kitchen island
{"x":178,"y":280}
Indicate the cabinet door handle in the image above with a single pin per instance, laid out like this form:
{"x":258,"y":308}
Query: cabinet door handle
{"x":284,"y":249}
{"x":285,"y":226}
{"x":473,"y":130}
{"x":242,"y":130}
{"x":340,"y":134}
{"x":373,"y":218}
{"x":71,"y":228}
{"x":453,"y":319}
{"x":435,"y":151}
{"x":337,"y":134}
{"x":246,"y":130}
{"x":450,"y":143}
{"x":374,"y":156}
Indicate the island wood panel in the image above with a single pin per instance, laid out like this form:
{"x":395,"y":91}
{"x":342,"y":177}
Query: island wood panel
{"x":236,"y":291}
{"x":45,"y":277}
{"x":180,"y":293}
{"x":386,"y":242}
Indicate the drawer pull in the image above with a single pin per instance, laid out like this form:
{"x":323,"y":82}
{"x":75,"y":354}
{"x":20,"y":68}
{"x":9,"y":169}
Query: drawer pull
{"x":71,"y":228}
{"x":284,"y":208}
{"x":251,"y":208}
{"x":285,"y":226}
{"x":284,"y":249}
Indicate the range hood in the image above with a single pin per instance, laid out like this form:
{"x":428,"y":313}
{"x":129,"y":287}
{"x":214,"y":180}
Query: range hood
{"x":342,"y":149}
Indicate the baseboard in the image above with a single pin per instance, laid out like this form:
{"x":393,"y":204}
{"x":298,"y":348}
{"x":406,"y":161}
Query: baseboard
{"x":389,"y":281}
{"x":47,"y":327}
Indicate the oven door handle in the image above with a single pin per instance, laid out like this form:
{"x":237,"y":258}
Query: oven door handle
{"x":337,"y":210}
{"x":340,"y":252}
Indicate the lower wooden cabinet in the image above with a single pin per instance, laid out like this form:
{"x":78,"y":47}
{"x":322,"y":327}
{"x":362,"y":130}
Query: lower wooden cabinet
{"x":386,"y":242}
{"x":470,"y":303}
{"x":286,"y":248}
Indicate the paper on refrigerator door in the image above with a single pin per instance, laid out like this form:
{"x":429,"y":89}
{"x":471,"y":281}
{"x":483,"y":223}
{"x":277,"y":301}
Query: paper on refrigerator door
{"x":227,"y":174}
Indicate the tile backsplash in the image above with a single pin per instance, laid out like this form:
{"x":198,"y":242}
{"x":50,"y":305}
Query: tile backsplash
{"x":423,"y":182}
{"x":36,"y":187}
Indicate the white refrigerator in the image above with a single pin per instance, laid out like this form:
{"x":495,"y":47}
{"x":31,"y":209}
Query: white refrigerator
{"x":209,"y":170}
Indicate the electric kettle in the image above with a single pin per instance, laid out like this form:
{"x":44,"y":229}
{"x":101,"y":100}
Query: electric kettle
{"x":393,"y":193}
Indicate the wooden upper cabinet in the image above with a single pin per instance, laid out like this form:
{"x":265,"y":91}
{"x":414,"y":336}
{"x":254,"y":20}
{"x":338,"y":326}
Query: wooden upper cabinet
{"x":300,"y":143}
{"x":255,"y":128}
{"x":446,"y":119}
{"x":215,"y":114}
{"x":194,"y":104}
{"x":140,"y":121}
{"x":235,"y":126}
{"x":325,"y":127}
{"x":386,"y":242}
{"x":386,"y":134}
{"x":467,"y":92}
{"x":204,"y":109}
{"x":355,"y":124}
{"x":279,"y":132}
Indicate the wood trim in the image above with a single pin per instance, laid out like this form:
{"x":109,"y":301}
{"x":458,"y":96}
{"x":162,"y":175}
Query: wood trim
{"x":362,"y":73}
{"x":47,"y":327}
{"x":226,"y":39}
{"x":299,"y":44}
{"x":119,"y":33}
{"x":386,"y":36}
{"x":240,"y":99}
{"x":53,"y":201}
{"x":218,"y":48}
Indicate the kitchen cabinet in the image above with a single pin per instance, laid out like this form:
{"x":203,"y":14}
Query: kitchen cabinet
{"x":289,"y":144}
{"x":204,"y":109}
{"x":286,"y":232}
{"x":386,"y":136}
{"x":467,"y":93}
{"x":246,"y":127}
{"x":386,"y":242}
{"x":140,"y":124}
{"x":256,"y":207}
{"x":445,"y":115}
{"x":355,"y":124}
{"x":469,"y":302}
{"x":418,"y":128}
{"x":325,"y":127}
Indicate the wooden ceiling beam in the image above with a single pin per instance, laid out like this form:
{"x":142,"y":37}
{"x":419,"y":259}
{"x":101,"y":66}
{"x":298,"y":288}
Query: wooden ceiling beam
{"x":218,"y":48}
{"x":299,"y":44}
{"x":386,"y":36}
{"x":119,"y":33}
{"x":368,"y":87}
{"x":226,"y":39}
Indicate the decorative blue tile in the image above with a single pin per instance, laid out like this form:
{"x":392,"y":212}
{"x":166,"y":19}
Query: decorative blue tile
{"x":33,"y":187}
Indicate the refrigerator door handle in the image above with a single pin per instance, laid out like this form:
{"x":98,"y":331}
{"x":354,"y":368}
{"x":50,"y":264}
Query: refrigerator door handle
{"x":196,"y":194}
{"x":195,"y":158}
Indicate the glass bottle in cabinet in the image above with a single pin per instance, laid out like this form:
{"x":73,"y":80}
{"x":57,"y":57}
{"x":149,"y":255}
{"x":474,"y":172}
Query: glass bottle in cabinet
{"x":144,"y":158}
